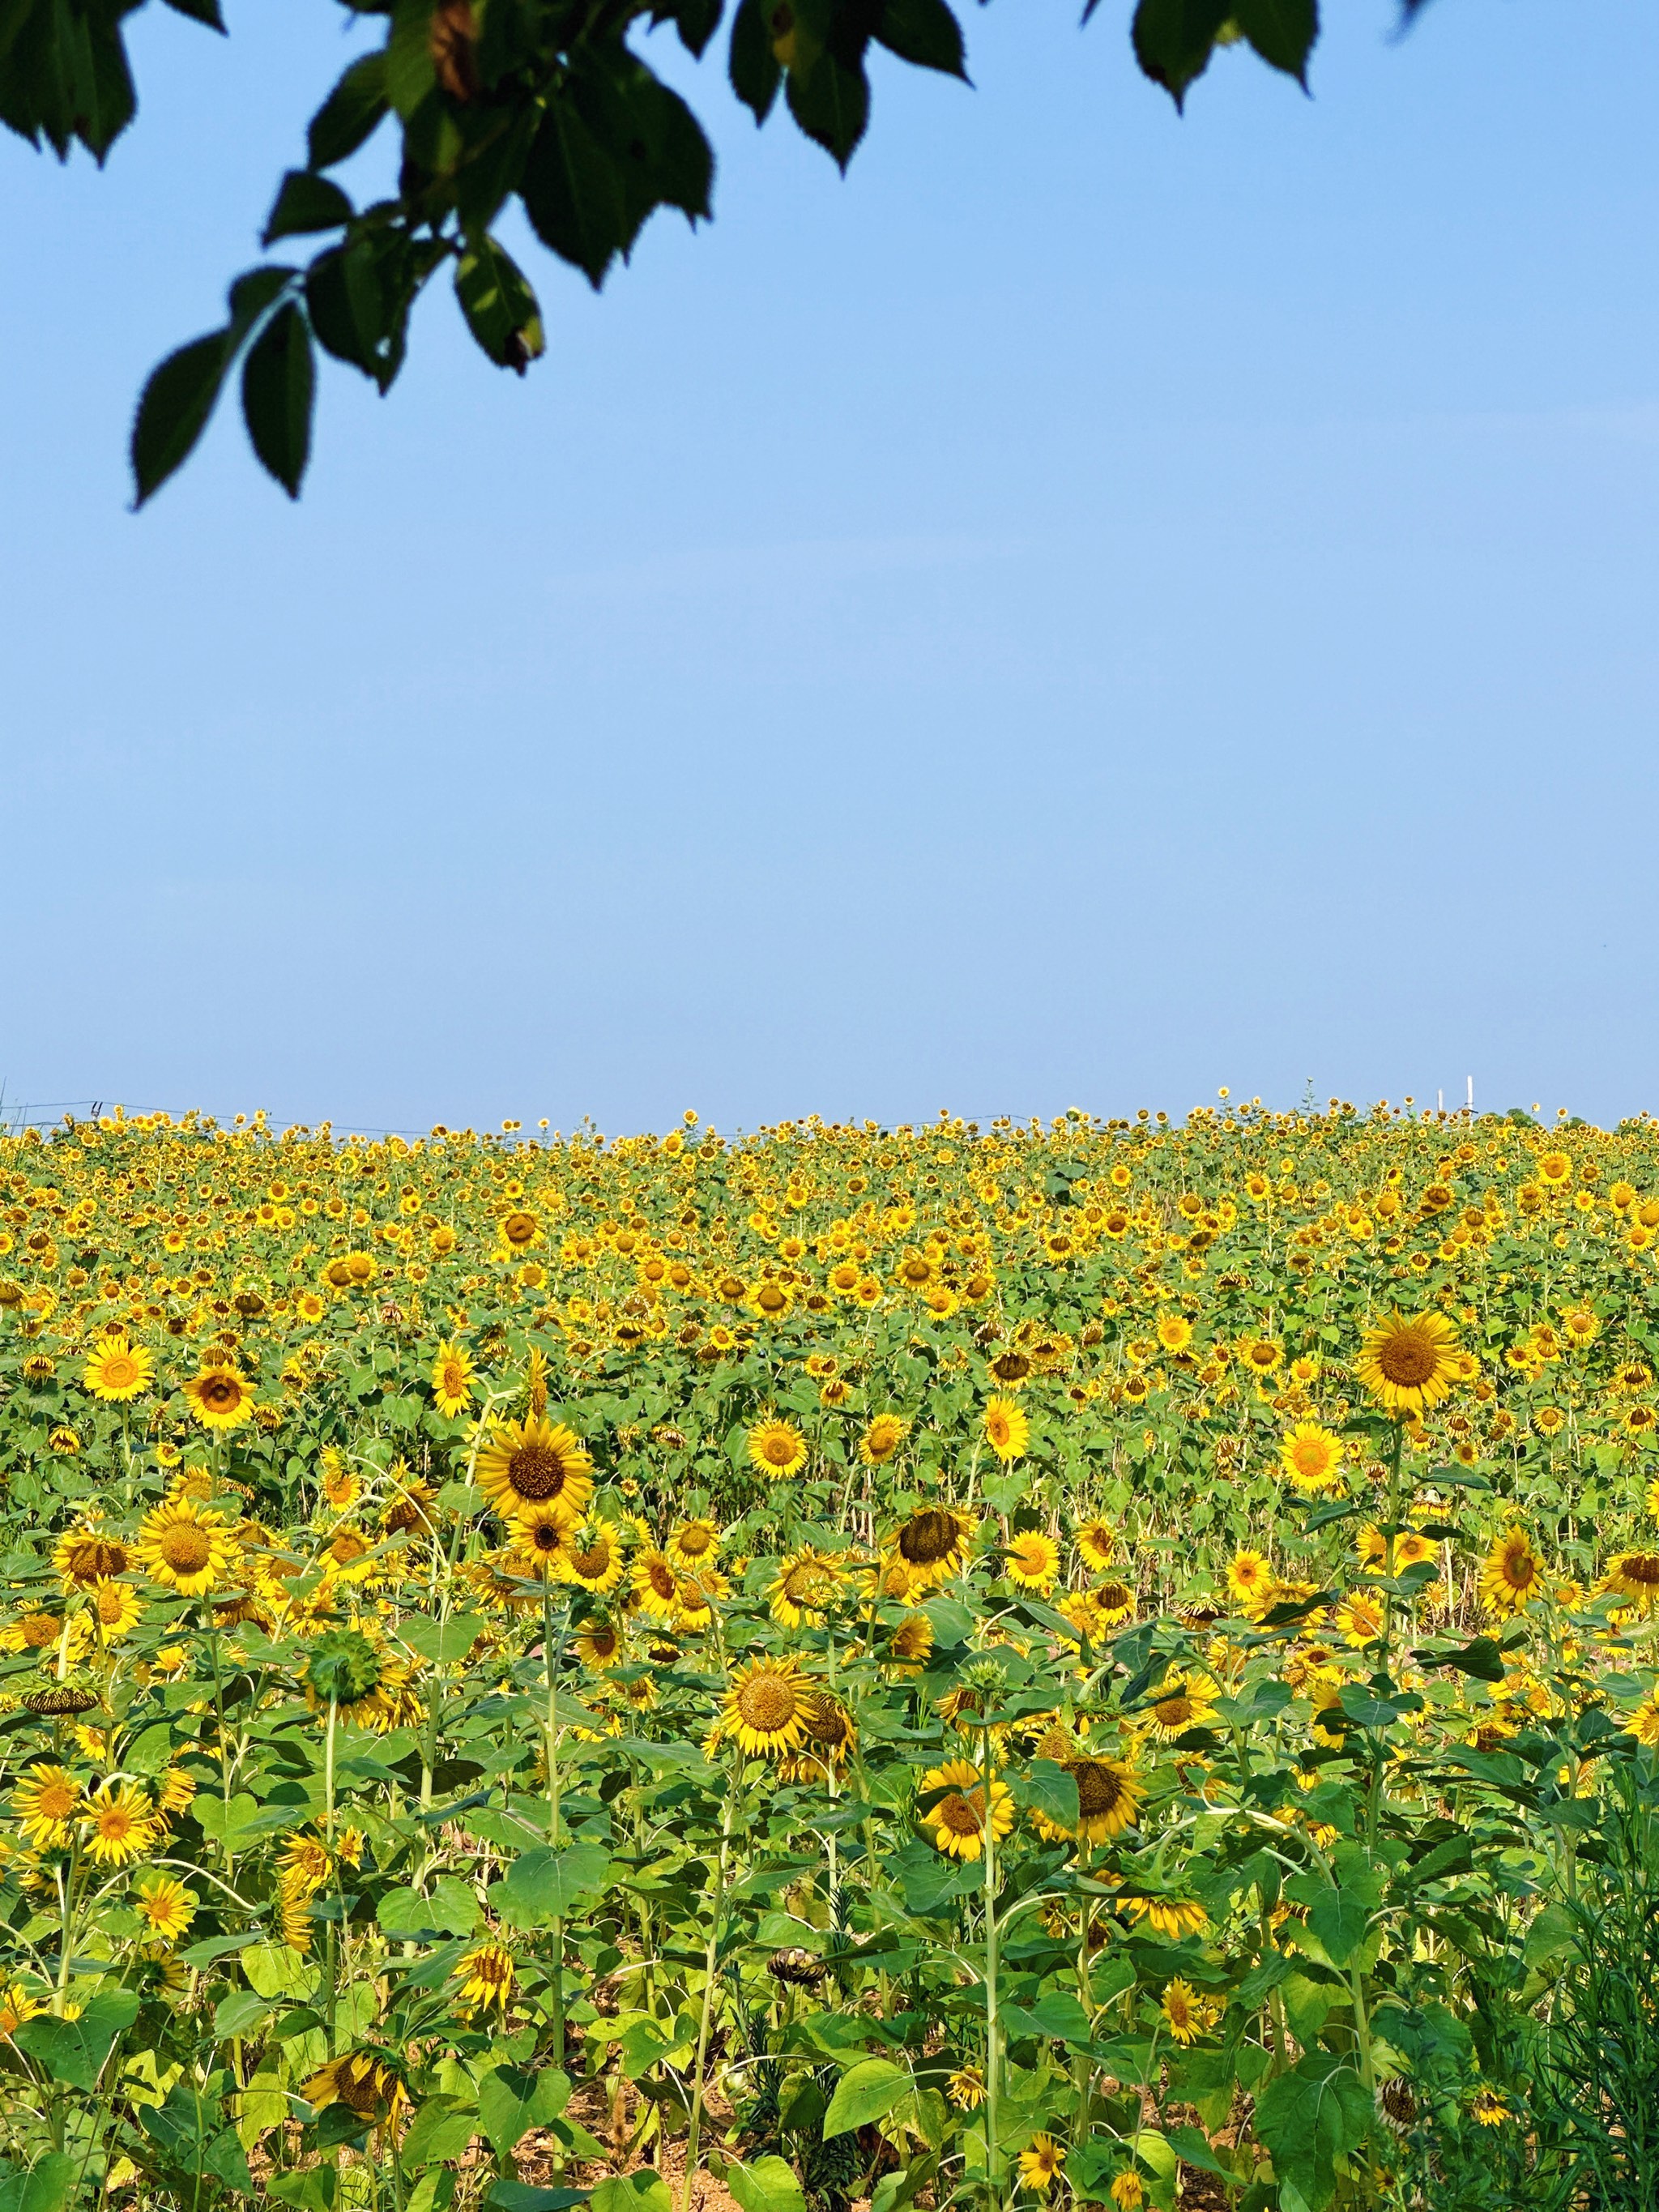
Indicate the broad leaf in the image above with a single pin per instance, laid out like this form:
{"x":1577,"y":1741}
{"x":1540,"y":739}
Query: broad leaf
{"x":75,"y":2051}
{"x":1282,"y":32}
{"x":1174,"y":39}
{"x":174,"y":410}
{"x":864,"y":2093}
{"x":279,"y":382}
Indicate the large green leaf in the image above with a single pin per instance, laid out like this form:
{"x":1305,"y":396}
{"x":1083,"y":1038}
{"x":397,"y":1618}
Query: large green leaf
{"x":279,"y":384}
{"x":75,"y":2051}
{"x":1310,"y":2118}
{"x":1282,"y":32}
{"x":1174,"y":39}
{"x":765,"y":2184}
{"x":864,"y":2093}
{"x":548,"y":1885}
{"x":43,"y":2187}
{"x":512,"y":2101}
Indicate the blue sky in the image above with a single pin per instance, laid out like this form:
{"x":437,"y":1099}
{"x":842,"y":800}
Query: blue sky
{"x":1092,"y":607}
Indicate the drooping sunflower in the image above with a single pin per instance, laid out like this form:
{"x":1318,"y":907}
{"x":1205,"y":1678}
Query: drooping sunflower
{"x":451,"y":1379}
{"x":164,"y":1905}
{"x":777,"y":1448}
{"x":187,"y":1547}
{"x":87,"y":1556}
{"x":532,"y":1463}
{"x":219,"y":1396}
{"x":118,"y":1823}
{"x":1312,"y":1457}
{"x":117,"y":1369}
{"x":1031,"y":1561}
{"x":46,"y":1802}
{"x":1173,"y":1917}
{"x":957,"y":1815}
{"x":366,"y":2082}
{"x":807,"y":1583}
{"x":830,"y":1738}
{"x":882,"y":1437}
{"x":1512,"y":1574}
{"x":1115,"y":1600}
{"x":934,"y":1542}
{"x":1108,"y":1794}
{"x":1040,"y":2165}
{"x":1634,"y":1575}
{"x":1007,"y":1431}
{"x":766,"y":1708}
{"x":486,"y":1975}
{"x":1184,"y":1700}
{"x":1408,"y":1366}
{"x":1096,"y":1542}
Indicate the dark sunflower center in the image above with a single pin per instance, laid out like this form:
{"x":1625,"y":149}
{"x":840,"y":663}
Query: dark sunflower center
{"x":1407,"y":1359}
{"x":767,"y":1703}
{"x":958,"y":1814}
{"x":535,"y":1471}
{"x":185,"y":1548}
{"x":1099,"y":1790}
{"x":927,"y":1537}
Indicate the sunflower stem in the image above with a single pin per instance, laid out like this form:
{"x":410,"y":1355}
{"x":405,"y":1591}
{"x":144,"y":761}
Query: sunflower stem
{"x":993,"y":2021}
{"x":710,"y":1969}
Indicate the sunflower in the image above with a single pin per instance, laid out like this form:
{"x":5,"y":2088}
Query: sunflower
{"x":1174,"y":1332}
{"x":1006,"y":1429}
{"x":1250,"y":1579}
{"x":219,"y":1396}
{"x":766,"y":1708}
{"x":1108,"y":1794}
{"x":1011,"y":1370}
{"x":776,"y":1447}
{"x":1512,"y":1574}
{"x":831,"y":1736}
{"x":599,"y":1644}
{"x":451,"y":1379}
{"x":1407,"y":1366}
{"x":87,"y":1556}
{"x":485,"y":1974}
{"x":656,"y":1586}
{"x":46,"y":1802}
{"x":1312,"y":1457}
{"x":594,"y":1558}
{"x":881,"y":1439}
{"x":117,"y":1369}
{"x":957,"y":1817}
{"x":694,"y":1543}
{"x":187,"y":1547}
{"x":934,"y":1543}
{"x":16,"y":2005}
{"x":911,"y":1643}
{"x":1184,"y":1700}
{"x":118,"y":1608}
{"x":806,"y":1582}
{"x":1360,"y":1618}
{"x":1173,"y":1917}
{"x":966,"y":2089}
{"x":118,"y":1823}
{"x":1488,"y":2109}
{"x":1183,"y":2014}
{"x":1097,"y":1544}
{"x":1031,"y":1561}
{"x":1128,"y":2191}
{"x":366,"y":2082}
{"x":166,"y":1906}
{"x":1115,"y":1600}
{"x":1634,"y":1575}
{"x":1039,"y":2166}
{"x":1643,"y":1721}
{"x":531,"y":1463}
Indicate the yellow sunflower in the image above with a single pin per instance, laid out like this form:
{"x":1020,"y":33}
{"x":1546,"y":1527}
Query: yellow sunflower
{"x":1512,"y":1574}
{"x":1006,"y":1429}
{"x":1040,"y":2166}
{"x":164,"y":1906}
{"x":1250,"y":1579}
{"x":1171,"y":1917}
{"x":485,"y":1974}
{"x":694,"y":1543}
{"x":881,"y":1439}
{"x":117,"y":1823}
{"x":87,"y":1556}
{"x":1312,"y":1457}
{"x":1108,"y":1794}
{"x":807,"y":1581}
{"x":934,"y":1542}
{"x":187,"y":1547}
{"x":117,"y":1369}
{"x":362,"y":2081}
{"x":766,"y":1708}
{"x":1183,"y":2014}
{"x":1408,"y":1366}
{"x":957,"y":1815}
{"x":219,"y":1396}
{"x":451,"y":1379}
{"x":118,"y":1608}
{"x":594,"y":1558}
{"x":1096,"y":1542}
{"x":46,"y":1802}
{"x":1031,"y":1561}
{"x":656,"y":1586}
{"x":776,"y":1447}
{"x":1634,"y":1575}
{"x":599,"y":1644}
{"x":1184,"y":1700}
{"x":531,"y":1464}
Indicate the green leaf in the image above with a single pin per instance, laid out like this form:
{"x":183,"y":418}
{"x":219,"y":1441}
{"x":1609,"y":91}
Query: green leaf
{"x":765,"y":2184}
{"x":1482,"y":1657}
{"x":240,"y":2013}
{"x":1051,"y":1791}
{"x":441,"y":2128}
{"x":75,"y":2051}
{"x":1174,"y":40}
{"x":43,"y":2187}
{"x":547,"y":1884}
{"x":1282,"y":32}
{"x":306,"y":202}
{"x":350,"y":113}
{"x":200,"y":11}
{"x":177,"y":403}
{"x":864,"y":2093}
{"x":521,"y":2197}
{"x":755,"y":70}
{"x":1308,"y":2118}
{"x":441,"y":1643}
{"x":642,"y":2191}
{"x":279,"y":382}
{"x":218,"y":1818}
{"x":924,"y":31}
{"x":1191,"y":2146}
{"x":502,"y":310}
{"x":411,"y":72}
{"x":314,"y":2190}
{"x":512,"y":2101}
{"x":572,"y":192}
{"x":830,"y":101}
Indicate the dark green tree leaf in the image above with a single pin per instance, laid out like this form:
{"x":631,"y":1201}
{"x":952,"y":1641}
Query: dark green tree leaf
{"x":174,"y":410}
{"x":755,"y":70}
{"x":831,"y":101}
{"x":501,"y":311}
{"x":200,"y":11}
{"x":306,"y":202}
{"x":571,"y":193}
{"x":1174,"y":39}
{"x":924,"y":31}
{"x":349,"y":114}
{"x":1282,"y":32}
{"x":279,"y":381}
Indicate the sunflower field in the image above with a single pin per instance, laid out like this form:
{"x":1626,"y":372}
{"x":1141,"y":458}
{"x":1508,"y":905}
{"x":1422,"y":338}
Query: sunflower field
{"x":1104,"y":1662}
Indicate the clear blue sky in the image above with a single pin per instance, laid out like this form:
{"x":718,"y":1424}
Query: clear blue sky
{"x":1093,"y":607}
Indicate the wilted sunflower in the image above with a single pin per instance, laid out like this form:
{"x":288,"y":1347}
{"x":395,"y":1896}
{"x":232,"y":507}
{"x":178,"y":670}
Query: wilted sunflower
{"x":117,"y":1370}
{"x":531,"y":1463}
{"x":485,"y":1974}
{"x":766,"y":1708}
{"x":1172,"y":1916}
{"x":1407,"y":1366}
{"x":934,"y":1542}
{"x":366,"y":2082}
{"x":1634,"y":1575}
{"x":776,"y":1447}
{"x":1312,"y":1457}
{"x":957,"y":1815}
{"x":1007,"y":1431}
{"x":1513,"y":1572}
{"x":187,"y":1547}
{"x":86,"y":1555}
{"x":219,"y":1396}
